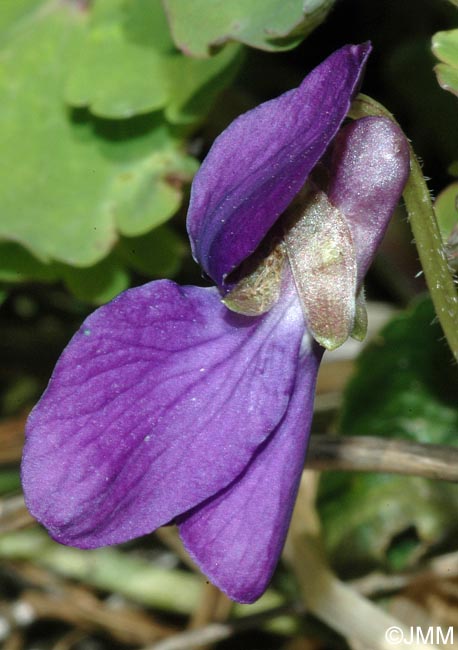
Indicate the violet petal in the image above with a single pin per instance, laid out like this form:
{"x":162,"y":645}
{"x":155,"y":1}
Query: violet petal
{"x":237,"y":536}
{"x":158,"y":402}
{"x":260,"y":162}
{"x":368,"y":172}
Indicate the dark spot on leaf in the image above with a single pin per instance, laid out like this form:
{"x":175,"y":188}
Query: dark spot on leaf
{"x":177,"y":180}
{"x":82,"y":5}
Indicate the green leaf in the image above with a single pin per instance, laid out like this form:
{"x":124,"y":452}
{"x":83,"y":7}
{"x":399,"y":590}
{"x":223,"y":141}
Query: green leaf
{"x":405,"y":386}
{"x":152,"y":169}
{"x":445,"y":47}
{"x":119,"y":70}
{"x":447,"y":77}
{"x":12,"y":12}
{"x":368,"y":518}
{"x":74,"y":182}
{"x":156,"y":254}
{"x":128,"y":64}
{"x":10,"y":481}
{"x":446,"y":208}
{"x":99,"y":283}
{"x":17,"y":265}
{"x":433,"y":135}
{"x":201,"y":26}
{"x":452,"y":169}
{"x":195,"y":83}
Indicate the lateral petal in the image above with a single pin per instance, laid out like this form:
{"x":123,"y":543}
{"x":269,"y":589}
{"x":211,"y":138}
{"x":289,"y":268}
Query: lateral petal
{"x":158,"y":402}
{"x":368,"y":172}
{"x":237,"y":536}
{"x":260,"y":162}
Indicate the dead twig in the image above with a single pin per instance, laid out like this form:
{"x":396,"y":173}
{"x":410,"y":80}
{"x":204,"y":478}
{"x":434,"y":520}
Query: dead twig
{"x":13,"y":514}
{"x":15,"y":641}
{"x":50,"y":597}
{"x":220,"y":631}
{"x":12,"y":438}
{"x":69,"y":640}
{"x":375,"y":454}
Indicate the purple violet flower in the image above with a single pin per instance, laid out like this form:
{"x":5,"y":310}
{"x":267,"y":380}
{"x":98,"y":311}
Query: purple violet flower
{"x":167,"y":405}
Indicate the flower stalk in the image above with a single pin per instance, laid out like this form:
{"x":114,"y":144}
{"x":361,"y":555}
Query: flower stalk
{"x":431,"y":251}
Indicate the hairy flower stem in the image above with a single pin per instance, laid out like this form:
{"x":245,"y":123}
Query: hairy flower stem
{"x":430,"y":246}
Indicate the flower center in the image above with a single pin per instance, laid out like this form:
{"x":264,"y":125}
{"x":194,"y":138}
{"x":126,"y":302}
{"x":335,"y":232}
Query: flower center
{"x":315,"y":239}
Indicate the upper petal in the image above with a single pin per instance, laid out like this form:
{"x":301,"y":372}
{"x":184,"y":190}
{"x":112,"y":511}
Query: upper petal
{"x":159,"y":401}
{"x":260,"y":162}
{"x":368,"y":172}
{"x":237,"y":536}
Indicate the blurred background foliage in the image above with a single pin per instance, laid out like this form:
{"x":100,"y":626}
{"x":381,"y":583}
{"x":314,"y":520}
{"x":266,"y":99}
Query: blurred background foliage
{"x":107,"y":108}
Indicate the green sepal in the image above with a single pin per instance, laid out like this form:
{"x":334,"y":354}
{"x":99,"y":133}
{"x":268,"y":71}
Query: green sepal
{"x":259,"y":289}
{"x":359,"y":330}
{"x":320,"y":250}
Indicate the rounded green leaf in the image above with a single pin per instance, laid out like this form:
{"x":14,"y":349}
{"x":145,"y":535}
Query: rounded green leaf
{"x":157,"y":254}
{"x":128,"y":65}
{"x":75,"y":182}
{"x":119,"y":70}
{"x":99,"y":283}
{"x":445,"y":47}
{"x":446,"y":209}
{"x":200,"y":26}
{"x":447,"y":77}
{"x":17,"y":265}
{"x":195,"y":83}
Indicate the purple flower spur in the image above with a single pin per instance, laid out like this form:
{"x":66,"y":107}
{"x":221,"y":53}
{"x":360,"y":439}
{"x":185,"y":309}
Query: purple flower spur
{"x":193,"y":405}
